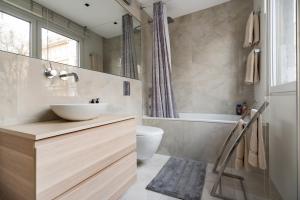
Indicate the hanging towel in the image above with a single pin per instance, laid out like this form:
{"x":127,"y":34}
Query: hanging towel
{"x":252,"y":34}
{"x":252,"y":68}
{"x":241,"y":159}
{"x":256,"y":27}
{"x":257,"y":155}
{"x":94,"y":62}
{"x":249,"y":31}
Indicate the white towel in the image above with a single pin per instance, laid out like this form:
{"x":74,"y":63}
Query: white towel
{"x":252,"y":68}
{"x":249,"y":31}
{"x":241,"y":159}
{"x":256,"y":29}
{"x":257,"y":154}
{"x":252,"y":33}
{"x":95,"y":62}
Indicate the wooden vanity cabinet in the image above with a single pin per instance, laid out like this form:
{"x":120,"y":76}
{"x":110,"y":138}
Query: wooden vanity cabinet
{"x":98,"y":162}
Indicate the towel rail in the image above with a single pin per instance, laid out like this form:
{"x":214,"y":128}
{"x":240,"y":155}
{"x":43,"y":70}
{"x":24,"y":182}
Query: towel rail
{"x":257,"y":50}
{"x":227,"y":141}
{"x":227,"y":157}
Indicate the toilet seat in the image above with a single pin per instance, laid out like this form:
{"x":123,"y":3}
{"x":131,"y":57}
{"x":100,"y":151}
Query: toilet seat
{"x":148,"y":131}
{"x":147,"y":141}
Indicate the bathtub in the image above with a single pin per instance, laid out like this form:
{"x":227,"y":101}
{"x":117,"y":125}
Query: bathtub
{"x":193,"y":135}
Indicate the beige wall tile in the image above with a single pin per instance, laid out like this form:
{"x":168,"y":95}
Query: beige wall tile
{"x":26,"y":93}
{"x":208,"y":59}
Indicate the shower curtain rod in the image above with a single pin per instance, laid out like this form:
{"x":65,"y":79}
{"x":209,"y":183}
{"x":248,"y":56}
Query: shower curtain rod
{"x":146,"y":5}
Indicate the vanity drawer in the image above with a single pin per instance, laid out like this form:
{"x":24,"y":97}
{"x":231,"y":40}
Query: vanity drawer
{"x":65,"y":161}
{"x":108,"y":184}
{"x":17,"y":175}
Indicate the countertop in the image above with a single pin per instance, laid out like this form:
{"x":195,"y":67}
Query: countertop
{"x":43,"y":130}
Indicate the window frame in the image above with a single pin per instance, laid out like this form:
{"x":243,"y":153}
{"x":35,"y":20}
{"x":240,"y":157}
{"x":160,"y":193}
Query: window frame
{"x":14,"y":12}
{"x":276,"y":88}
{"x":56,"y":29}
{"x":36,"y":25}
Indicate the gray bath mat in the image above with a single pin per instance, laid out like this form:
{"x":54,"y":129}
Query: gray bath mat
{"x":180,"y":178}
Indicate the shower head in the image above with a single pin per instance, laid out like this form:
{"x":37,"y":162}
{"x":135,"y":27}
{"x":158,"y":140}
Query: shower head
{"x":170,"y":20}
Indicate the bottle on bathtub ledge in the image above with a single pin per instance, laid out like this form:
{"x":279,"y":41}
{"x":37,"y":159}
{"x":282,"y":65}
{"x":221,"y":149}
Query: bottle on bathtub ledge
{"x":239,"y":109}
{"x":244,"y":108}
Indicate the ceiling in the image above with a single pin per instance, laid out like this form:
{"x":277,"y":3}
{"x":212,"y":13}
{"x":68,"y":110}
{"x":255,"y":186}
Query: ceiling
{"x":98,"y":17}
{"x":101,"y":14}
{"x":177,"y":8}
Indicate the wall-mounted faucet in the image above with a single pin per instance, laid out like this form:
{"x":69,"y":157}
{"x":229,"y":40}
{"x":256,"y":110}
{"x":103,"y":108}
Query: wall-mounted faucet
{"x":64,"y":75}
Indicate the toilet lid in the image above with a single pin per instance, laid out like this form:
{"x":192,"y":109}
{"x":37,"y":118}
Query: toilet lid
{"x":148,"y":131}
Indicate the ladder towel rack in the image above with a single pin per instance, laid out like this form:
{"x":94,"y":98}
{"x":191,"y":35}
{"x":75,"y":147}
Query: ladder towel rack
{"x":221,"y":172}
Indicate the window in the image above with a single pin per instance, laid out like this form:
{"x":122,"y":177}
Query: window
{"x":14,"y":35}
{"x":283,"y":42}
{"x":58,"y":48}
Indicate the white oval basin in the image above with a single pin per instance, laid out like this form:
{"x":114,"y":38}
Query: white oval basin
{"x":79,"y":112}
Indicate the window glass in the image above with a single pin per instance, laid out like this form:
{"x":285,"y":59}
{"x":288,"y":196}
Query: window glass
{"x":58,"y":48}
{"x":14,"y":34}
{"x":284,"y":42}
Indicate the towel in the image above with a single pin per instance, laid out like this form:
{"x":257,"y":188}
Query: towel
{"x":257,"y":154}
{"x":252,"y":68}
{"x":252,"y":34}
{"x":256,"y":27}
{"x":241,"y":159}
{"x":94,"y":62}
{"x":249,"y":31}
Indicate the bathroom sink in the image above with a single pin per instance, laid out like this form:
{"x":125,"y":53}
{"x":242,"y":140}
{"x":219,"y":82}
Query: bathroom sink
{"x":79,"y":112}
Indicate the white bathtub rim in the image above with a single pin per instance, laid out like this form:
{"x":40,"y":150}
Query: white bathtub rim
{"x":190,"y":119}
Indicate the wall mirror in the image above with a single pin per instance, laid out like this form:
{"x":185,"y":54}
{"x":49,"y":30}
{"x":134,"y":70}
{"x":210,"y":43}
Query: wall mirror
{"x":95,"y":35}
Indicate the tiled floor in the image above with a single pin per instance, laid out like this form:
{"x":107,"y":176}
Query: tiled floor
{"x":148,"y":170}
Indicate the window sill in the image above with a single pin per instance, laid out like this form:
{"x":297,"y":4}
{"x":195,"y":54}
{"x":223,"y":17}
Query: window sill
{"x":284,"y":88}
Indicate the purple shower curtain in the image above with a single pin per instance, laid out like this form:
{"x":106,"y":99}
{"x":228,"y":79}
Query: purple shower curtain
{"x":163,"y":104}
{"x":129,"y":63}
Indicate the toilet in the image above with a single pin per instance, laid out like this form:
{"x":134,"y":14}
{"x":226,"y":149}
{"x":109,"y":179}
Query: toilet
{"x":148,"y":140}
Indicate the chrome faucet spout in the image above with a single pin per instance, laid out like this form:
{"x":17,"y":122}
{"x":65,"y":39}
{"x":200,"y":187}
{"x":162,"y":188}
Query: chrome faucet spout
{"x":75,"y":75}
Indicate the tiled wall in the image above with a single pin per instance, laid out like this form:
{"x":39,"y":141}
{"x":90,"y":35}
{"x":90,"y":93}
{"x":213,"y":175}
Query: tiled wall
{"x":208,"y":59}
{"x":112,"y":55}
{"x":26,"y":94}
{"x":113,"y":52}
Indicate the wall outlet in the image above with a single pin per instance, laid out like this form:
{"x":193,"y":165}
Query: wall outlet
{"x":126,"y":88}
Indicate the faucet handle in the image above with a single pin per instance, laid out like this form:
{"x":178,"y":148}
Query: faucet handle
{"x":96,"y":100}
{"x":92,"y":101}
{"x":50,"y":73}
